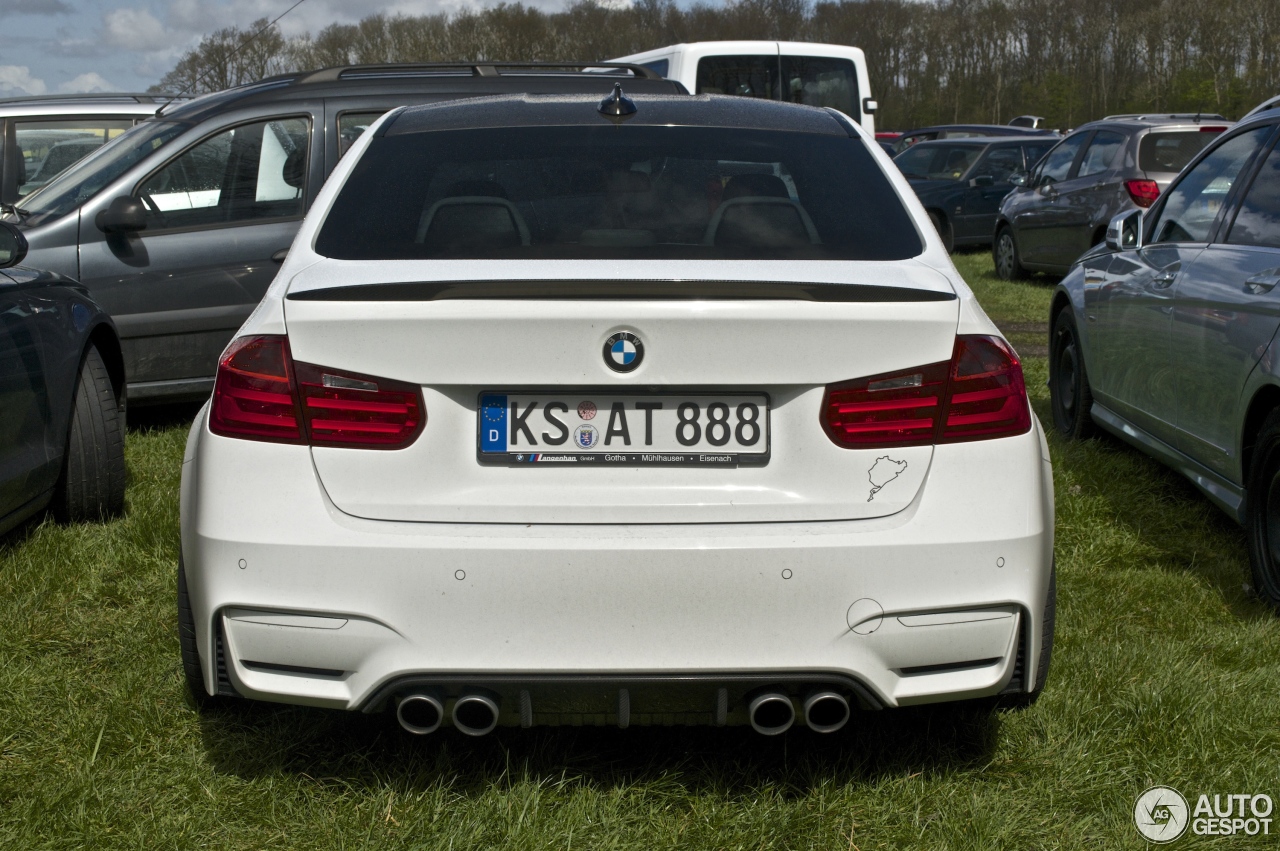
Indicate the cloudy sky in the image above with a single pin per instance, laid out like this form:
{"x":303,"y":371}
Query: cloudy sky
{"x":52,"y":46}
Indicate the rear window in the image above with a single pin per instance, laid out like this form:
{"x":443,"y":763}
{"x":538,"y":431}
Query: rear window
{"x":811,"y":80}
{"x":1170,"y":152}
{"x":937,"y":162}
{"x":603,"y":192}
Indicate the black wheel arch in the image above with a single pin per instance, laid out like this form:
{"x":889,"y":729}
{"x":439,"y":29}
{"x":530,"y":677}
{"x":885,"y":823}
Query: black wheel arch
{"x":103,"y":335}
{"x":1265,"y":400}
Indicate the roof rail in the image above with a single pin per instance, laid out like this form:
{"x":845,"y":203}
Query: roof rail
{"x":476,"y":69}
{"x":136,"y":97}
{"x":1192,"y":116}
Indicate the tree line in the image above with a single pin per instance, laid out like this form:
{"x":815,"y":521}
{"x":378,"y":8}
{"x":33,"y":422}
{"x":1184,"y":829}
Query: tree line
{"x":939,"y":61}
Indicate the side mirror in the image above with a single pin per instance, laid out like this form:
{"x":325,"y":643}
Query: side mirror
{"x":1048,"y":190}
{"x":870,"y":105}
{"x":1019,"y":178}
{"x":125,"y":215}
{"x":13,"y":246}
{"x":981,"y":181}
{"x":1124,"y":232}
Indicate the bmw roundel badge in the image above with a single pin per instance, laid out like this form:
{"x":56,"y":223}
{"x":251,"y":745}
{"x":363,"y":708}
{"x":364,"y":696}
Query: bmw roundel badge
{"x":623,"y":351}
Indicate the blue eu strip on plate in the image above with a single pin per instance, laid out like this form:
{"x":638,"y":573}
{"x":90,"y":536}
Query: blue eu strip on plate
{"x":493,"y":424}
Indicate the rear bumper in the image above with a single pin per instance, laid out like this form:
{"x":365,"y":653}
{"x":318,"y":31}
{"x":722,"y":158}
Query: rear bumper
{"x":316,"y":607}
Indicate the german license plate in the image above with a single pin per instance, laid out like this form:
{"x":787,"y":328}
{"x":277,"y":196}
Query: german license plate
{"x":543,"y":428}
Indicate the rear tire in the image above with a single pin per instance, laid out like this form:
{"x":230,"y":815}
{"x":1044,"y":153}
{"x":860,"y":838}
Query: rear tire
{"x":943,"y":227}
{"x":92,"y":483}
{"x":1069,"y":390}
{"x":1262,"y":511}
{"x":1004,"y":251}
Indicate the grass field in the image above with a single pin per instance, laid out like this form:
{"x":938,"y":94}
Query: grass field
{"x":1164,"y":671}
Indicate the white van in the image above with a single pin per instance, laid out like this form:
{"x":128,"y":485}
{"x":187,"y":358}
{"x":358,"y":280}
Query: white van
{"x":815,"y":74}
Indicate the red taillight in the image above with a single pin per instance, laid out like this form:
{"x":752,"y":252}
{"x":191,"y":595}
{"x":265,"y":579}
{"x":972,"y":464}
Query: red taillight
{"x":261,"y":394}
{"x":1213,"y":129}
{"x":1143,"y":192}
{"x":253,"y":396}
{"x":343,"y":409}
{"x":978,"y":394}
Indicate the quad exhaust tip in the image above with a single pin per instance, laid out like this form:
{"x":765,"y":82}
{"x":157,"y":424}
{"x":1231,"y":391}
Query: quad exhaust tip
{"x":826,"y":711}
{"x":419,"y":714}
{"x":475,"y":714}
{"x":771,"y":713}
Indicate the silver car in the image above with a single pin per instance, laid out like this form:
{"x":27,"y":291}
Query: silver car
{"x":1165,"y":335}
{"x":1104,"y":168}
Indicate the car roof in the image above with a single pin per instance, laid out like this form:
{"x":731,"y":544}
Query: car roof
{"x":1007,"y":141}
{"x":1167,"y":121}
{"x":444,"y":79}
{"x":992,"y":129}
{"x":522,"y":110}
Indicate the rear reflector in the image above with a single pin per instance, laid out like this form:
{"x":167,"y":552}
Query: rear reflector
{"x":1143,"y":192}
{"x":261,"y":394}
{"x":978,"y":394}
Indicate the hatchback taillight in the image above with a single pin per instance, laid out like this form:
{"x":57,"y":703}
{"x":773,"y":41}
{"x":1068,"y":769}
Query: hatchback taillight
{"x":978,"y":394}
{"x":261,"y":394}
{"x":1143,"y":192}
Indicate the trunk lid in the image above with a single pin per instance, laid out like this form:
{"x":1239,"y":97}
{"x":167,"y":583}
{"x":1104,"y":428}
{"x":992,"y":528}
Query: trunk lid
{"x":461,"y":340}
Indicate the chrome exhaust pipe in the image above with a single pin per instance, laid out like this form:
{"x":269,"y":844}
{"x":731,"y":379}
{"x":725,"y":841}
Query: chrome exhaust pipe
{"x":771,"y":713}
{"x":419,"y":714}
{"x":825,"y":711}
{"x":475,"y":714}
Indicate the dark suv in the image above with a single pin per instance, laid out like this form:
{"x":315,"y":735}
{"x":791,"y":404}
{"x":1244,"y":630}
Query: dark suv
{"x":177,"y":227}
{"x":1104,"y":168}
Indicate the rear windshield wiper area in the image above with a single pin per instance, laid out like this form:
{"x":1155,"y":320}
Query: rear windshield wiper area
{"x":625,"y":290}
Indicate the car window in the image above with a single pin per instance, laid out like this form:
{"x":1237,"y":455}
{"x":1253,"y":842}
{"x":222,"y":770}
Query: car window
{"x":1000,"y":163}
{"x":1101,"y":153}
{"x":83,"y":180}
{"x":1258,"y":222}
{"x":1193,"y":203}
{"x":51,"y":147}
{"x":253,"y":171}
{"x":937,"y":162}
{"x":748,"y":76}
{"x":1035,"y":151}
{"x":821,"y":81}
{"x":908,"y":141}
{"x":351,"y":125}
{"x":1169,"y":152}
{"x":590,"y":192}
{"x":1057,"y":163}
{"x":658,"y":66}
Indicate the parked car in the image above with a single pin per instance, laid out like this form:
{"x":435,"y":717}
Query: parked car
{"x":962,"y":131}
{"x":62,"y":406}
{"x":178,"y":226}
{"x":656,"y":410}
{"x":1165,"y":336}
{"x":41,"y":136}
{"x":961,"y":183}
{"x":1102,"y":169}
{"x":1268,"y":104}
{"x":1035,"y":122}
{"x":833,"y":75}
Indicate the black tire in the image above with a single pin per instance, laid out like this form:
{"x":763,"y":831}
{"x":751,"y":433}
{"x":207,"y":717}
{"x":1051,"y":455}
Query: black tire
{"x":1021,"y":701}
{"x":1262,"y":511}
{"x":943,"y":227}
{"x":191,"y":669}
{"x":1008,"y":260}
{"x":91,"y":486}
{"x":1069,"y":391}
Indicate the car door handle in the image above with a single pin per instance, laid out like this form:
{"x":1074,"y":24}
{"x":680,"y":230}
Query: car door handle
{"x":279,"y":256}
{"x":1263,"y":283}
{"x":1163,"y":280}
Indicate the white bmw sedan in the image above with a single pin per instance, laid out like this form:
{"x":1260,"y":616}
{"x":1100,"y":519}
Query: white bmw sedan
{"x":669,"y":410}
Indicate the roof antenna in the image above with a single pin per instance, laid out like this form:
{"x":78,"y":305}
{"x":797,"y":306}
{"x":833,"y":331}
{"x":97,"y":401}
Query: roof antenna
{"x":617,"y":106}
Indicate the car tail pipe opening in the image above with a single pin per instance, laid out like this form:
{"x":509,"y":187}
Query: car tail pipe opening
{"x":419,"y":714}
{"x":825,"y":711}
{"x":771,"y":713}
{"x":475,"y":714}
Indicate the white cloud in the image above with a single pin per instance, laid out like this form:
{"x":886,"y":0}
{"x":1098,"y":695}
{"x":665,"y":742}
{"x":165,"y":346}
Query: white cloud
{"x":90,"y":81}
{"x":135,"y":29}
{"x":17,"y":80}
